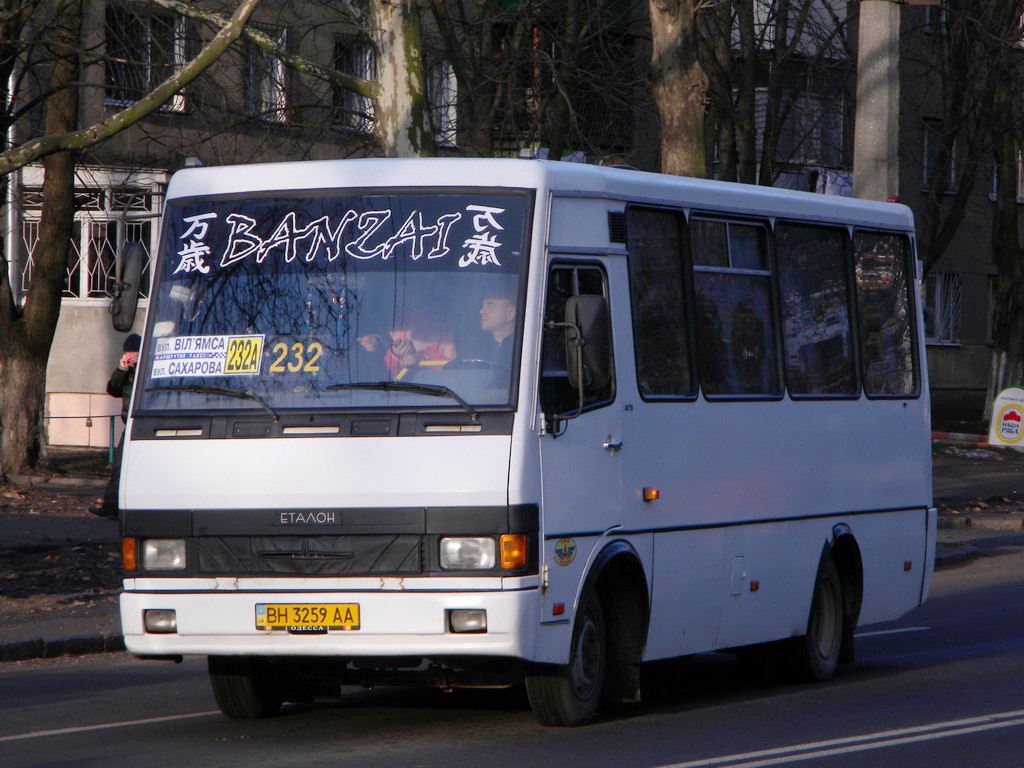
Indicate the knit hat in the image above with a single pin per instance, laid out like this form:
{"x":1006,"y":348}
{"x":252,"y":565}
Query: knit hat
{"x":131,"y":343}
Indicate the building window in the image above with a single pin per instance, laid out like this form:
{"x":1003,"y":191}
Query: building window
{"x":942,"y":308}
{"x":442,"y":91}
{"x":266,"y":78}
{"x":936,"y":18}
{"x":812,"y":129}
{"x":356,"y":57}
{"x":932,"y":156}
{"x":105,"y":219}
{"x":143,"y":50}
{"x":1020,"y":179}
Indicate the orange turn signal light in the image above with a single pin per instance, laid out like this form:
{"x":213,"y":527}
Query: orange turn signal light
{"x":513,"y":551}
{"x":651,"y":494}
{"x":128,"y":554}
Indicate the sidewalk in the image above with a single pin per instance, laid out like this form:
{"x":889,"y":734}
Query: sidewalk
{"x":979,"y":493}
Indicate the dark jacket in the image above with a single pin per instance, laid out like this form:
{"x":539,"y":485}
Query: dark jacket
{"x":120,"y":385}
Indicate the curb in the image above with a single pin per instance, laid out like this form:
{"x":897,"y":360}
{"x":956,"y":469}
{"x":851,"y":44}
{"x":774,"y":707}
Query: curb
{"x":42,"y":481}
{"x":978,"y":441}
{"x":954,"y":555}
{"x":50,"y":648}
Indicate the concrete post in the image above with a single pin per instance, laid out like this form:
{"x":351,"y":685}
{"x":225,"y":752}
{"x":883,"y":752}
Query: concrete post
{"x":876,"y":171}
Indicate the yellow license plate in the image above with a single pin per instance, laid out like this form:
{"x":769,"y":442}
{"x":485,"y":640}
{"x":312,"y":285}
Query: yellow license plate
{"x":307,"y":617}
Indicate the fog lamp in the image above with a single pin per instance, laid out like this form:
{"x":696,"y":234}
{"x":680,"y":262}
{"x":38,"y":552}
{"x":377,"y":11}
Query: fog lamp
{"x":468,"y":552}
{"x":467,"y":620}
{"x":163,"y":555}
{"x":159,"y":621}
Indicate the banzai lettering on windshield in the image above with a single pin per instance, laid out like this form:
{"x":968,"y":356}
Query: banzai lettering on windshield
{"x":361,"y":236}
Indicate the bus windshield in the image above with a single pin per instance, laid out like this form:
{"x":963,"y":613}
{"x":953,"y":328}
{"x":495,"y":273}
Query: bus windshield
{"x":318,"y":301}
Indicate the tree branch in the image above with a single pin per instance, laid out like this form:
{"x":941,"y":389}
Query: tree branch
{"x":357,"y":85}
{"x":33,"y":150}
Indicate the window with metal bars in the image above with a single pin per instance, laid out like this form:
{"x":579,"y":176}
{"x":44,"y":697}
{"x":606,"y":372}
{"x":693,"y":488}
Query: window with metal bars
{"x":942,"y":308}
{"x":142,"y":50}
{"x":356,"y":57}
{"x":105,"y":220}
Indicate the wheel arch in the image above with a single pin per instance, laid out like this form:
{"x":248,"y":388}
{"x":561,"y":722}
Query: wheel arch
{"x":845,"y":553}
{"x":617,"y":577}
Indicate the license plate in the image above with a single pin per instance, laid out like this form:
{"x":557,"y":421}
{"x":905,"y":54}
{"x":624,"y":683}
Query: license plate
{"x":307,"y":617}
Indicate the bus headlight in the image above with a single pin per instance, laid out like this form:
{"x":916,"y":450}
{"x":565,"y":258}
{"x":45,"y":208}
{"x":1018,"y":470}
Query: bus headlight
{"x":163,"y":555}
{"x":468,"y":553}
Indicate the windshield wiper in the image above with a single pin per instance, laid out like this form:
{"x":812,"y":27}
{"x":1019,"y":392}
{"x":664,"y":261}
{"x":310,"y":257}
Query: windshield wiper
{"x":203,"y":389}
{"x":434,"y":390}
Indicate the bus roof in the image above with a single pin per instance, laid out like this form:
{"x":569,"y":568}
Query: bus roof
{"x":557,"y":178}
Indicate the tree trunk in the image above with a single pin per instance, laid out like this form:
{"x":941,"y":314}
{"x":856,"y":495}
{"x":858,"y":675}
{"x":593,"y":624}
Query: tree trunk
{"x":28,"y":331}
{"x":402,"y":127}
{"x":677,"y":82}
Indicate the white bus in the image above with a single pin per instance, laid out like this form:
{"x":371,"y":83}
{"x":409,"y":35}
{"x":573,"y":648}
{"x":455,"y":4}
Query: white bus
{"x":473,"y":422}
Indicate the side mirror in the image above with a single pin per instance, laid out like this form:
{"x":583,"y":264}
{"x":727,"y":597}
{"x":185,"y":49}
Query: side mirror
{"x":588,"y":343}
{"x":127,"y":288}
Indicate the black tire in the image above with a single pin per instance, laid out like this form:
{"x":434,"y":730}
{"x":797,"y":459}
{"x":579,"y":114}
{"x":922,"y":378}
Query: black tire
{"x":569,"y":695}
{"x":819,"y":649}
{"x":243,"y":688}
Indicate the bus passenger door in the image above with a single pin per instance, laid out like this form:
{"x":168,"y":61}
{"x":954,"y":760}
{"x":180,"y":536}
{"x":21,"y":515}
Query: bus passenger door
{"x":580,"y":458}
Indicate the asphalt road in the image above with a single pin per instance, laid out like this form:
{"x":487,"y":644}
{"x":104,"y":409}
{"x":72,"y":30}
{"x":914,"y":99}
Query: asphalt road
{"x":942,"y":686}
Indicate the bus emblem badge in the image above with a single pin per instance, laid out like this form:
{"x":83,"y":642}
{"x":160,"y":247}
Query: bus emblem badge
{"x":565,"y":551}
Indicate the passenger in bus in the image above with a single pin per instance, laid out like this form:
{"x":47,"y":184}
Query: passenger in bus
{"x":402,"y":350}
{"x":498,"y":320}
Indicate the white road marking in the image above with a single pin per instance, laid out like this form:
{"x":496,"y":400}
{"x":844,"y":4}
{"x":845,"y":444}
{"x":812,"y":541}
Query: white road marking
{"x":863,"y":743}
{"x":103,"y":726}
{"x":881,"y":632}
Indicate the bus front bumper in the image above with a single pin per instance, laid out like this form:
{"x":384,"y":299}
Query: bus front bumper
{"x":389,"y":623}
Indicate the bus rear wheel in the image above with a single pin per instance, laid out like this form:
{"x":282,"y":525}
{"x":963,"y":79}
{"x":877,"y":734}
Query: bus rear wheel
{"x":819,"y":648}
{"x":243,"y":688}
{"x":569,"y":695}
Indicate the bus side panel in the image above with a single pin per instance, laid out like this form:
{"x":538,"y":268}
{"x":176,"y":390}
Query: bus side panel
{"x":749,"y":495}
{"x":685,"y":610}
{"x":899,"y":581}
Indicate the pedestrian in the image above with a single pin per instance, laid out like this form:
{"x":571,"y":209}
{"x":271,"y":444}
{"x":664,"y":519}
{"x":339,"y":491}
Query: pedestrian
{"x":119,"y":385}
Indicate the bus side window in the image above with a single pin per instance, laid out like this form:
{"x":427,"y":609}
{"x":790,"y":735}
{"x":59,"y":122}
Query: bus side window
{"x":558,"y":396}
{"x":737,"y":341}
{"x":884,"y":305}
{"x":814,"y":290}
{"x":659,"y":303}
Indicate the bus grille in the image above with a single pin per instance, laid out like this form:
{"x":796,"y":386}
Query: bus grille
{"x":367,"y":555}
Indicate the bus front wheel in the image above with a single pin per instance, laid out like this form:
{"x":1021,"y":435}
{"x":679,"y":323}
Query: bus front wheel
{"x":819,"y":649}
{"x":569,"y":695}
{"x":243,"y":688}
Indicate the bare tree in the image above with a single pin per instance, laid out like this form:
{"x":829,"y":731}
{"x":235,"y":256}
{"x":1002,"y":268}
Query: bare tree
{"x":1007,"y":244}
{"x":779,"y":74}
{"x":679,"y":86}
{"x":968,"y":58}
{"x":27,"y":329}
